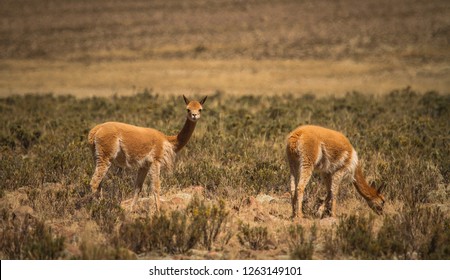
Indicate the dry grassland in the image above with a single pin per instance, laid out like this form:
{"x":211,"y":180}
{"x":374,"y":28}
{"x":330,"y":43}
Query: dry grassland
{"x":238,"y":76}
{"x":228,"y":196}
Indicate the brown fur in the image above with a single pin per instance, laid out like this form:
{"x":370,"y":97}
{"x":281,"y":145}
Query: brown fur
{"x":313,"y":148}
{"x":148,"y":149}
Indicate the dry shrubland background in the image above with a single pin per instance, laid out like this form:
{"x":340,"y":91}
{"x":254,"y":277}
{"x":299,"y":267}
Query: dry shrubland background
{"x":377,"y":71}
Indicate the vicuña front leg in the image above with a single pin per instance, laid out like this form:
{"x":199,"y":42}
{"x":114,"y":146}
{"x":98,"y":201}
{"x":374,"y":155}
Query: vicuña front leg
{"x":142,"y":174}
{"x":155,"y":171}
{"x":326,"y":180}
{"x":333,"y":182}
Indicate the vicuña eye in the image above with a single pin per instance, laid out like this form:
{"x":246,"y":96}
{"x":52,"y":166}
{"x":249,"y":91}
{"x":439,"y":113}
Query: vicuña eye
{"x":188,"y":110}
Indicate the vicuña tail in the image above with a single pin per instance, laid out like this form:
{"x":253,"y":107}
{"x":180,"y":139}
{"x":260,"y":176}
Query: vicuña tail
{"x":91,"y":139}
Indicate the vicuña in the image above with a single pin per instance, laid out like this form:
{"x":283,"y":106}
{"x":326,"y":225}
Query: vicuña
{"x":145,"y":148}
{"x":314,"y":148}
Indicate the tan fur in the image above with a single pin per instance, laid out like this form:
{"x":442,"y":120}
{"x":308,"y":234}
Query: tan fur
{"x":314,"y":148}
{"x":147,"y":149}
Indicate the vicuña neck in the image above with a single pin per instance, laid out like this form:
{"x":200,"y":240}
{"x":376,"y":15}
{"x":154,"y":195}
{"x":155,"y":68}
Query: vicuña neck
{"x":180,"y":140}
{"x":364,"y":189}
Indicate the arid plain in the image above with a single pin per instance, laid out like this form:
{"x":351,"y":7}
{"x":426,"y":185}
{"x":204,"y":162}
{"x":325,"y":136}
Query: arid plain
{"x":97,"y":48}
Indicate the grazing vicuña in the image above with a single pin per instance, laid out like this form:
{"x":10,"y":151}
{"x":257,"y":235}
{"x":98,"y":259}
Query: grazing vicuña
{"x":146,"y":148}
{"x":314,"y":148}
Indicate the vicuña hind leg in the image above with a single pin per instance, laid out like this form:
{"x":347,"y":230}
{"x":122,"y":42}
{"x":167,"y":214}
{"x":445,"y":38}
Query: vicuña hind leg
{"x":297,"y":199}
{"x":101,"y":169}
{"x":294,"y":179}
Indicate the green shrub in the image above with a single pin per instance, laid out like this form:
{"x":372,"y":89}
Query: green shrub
{"x":356,"y":237}
{"x":173,"y":233}
{"x":414,"y":233}
{"x":437,"y":246}
{"x":301,"y":246}
{"x":331,"y":246}
{"x":176,"y":232}
{"x":29,"y":238}
{"x":102,"y":252}
{"x":162,"y":232}
{"x":394,"y":239}
{"x":208,"y":219}
{"x":253,"y":237}
{"x":107,"y":213}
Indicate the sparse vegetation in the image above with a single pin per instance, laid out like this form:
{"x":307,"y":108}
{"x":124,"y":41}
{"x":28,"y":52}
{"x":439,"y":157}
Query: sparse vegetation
{"x":29,"y":238}
{"x":165,"y":232}
{"x":89,"y":251}
{"x":253,"y":237}
{"x":207,"y":220}
{"x":176,"y":232}
{"x":301,"y":244}
{"x":420,"y":233}
{"x":356,"y":237}
{"x":402,"y":139}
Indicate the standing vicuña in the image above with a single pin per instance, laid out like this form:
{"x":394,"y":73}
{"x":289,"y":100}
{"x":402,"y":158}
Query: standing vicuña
{"x":146,"y":148}
{"x":330,"y":153}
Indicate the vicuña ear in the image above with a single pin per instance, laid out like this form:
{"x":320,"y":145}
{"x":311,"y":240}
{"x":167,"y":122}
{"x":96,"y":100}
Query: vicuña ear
{"x":203,"y":100}
{"x":186,"y":100}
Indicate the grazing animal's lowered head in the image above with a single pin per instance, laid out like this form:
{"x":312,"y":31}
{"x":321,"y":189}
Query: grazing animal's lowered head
{"x":376,"y":203}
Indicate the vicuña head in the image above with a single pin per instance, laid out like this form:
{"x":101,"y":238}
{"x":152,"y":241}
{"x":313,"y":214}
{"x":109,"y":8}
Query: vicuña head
{"x":314,"y":148}
{"x":147,"y":149}
{"x":194,"y":108}
{"x":377,"y":203}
